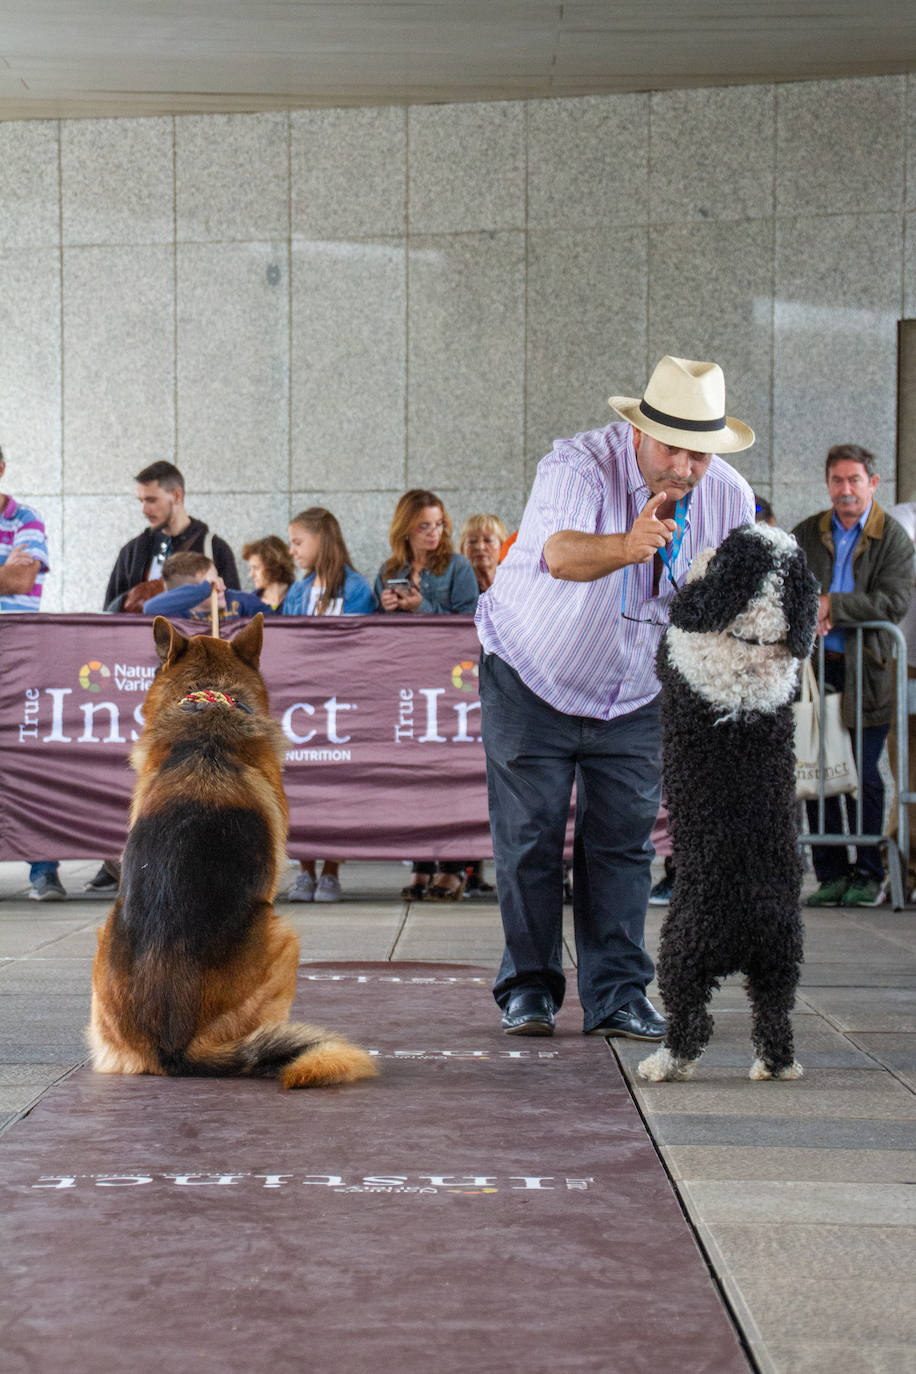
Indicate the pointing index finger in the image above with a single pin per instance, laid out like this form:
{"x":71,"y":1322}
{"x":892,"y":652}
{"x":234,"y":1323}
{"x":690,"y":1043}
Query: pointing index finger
{"x":648,"y":512}
{"x":653,"y":503}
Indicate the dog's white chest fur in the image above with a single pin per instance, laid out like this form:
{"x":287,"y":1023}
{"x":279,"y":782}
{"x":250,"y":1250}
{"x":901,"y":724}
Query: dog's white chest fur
{"x":732,"y":675}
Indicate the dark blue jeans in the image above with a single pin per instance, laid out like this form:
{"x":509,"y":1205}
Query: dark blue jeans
{"x":534,"y":755}
{"x":865,"y":814}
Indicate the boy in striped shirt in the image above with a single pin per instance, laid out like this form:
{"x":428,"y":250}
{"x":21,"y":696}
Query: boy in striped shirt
{"x":23,"y":554}
{"x":23,"y":564}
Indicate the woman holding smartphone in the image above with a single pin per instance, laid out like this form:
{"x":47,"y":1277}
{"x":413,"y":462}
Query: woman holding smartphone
{"x":425,"y":575}
{"x":330,"y":587}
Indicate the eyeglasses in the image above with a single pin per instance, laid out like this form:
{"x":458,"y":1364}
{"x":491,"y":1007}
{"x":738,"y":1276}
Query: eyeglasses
{"x":640,"y":619}
{"x":427,"y":528}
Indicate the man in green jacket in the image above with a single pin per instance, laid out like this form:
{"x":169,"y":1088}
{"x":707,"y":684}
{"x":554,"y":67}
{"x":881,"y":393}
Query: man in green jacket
{"x":864,"y":562}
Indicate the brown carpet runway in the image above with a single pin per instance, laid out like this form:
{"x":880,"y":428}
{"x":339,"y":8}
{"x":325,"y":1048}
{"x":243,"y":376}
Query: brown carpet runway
{"x":490,"y":1203}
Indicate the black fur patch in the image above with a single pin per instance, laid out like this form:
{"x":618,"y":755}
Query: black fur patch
{"x":262,"y":1056}
{"x":202,"y":750}
{"x":735,"y":576}
{"x":799,"y":604}
{"x":192,"y":881}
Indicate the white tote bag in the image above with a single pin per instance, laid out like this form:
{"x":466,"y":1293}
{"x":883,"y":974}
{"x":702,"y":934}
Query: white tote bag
{"x":839,"y":760}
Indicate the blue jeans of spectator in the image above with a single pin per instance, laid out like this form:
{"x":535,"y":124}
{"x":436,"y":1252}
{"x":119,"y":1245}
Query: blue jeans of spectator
{"x":865,"y":815}
{"x":534,"y":754}
{"x":41,"y":866}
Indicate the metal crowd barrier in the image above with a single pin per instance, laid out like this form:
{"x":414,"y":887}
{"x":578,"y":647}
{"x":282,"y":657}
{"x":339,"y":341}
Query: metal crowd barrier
{"x":899,"y":845}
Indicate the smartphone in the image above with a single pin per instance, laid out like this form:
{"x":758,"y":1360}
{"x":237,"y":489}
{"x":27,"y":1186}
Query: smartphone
{"x":398,"y":583}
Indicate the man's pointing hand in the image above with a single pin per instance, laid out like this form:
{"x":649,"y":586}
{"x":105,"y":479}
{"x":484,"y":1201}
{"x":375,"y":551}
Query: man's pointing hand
{"x":648,"y":533}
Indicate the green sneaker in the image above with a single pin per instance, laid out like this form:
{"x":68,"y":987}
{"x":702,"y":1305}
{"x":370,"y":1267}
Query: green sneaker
{"x":864,"y":890}
{"x":831,"y":893}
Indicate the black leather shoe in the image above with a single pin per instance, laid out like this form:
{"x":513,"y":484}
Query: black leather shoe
{"x":637,"y":1020}
{"x":529,"y":1012}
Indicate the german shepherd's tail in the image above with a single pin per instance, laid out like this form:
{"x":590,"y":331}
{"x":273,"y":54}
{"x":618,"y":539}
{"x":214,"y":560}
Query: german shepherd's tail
{"x":300,"y":1056}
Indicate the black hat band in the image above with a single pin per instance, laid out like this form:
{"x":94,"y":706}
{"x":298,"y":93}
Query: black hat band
{"x":675,"y":422}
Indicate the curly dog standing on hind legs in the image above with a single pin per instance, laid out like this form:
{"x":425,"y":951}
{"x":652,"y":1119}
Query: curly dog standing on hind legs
{"x":569,"y":631}
{"x":728,"y":666}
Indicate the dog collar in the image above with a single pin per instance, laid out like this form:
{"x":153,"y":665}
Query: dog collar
{"x":215,"y":699}
{"x":742,"y":640}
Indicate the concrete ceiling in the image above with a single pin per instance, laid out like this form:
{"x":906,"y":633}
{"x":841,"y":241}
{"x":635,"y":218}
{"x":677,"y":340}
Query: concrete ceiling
{"x":91,"y":58}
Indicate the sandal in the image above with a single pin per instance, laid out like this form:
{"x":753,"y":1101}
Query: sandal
{"x":438,"y":893}
{"x":415,"y":892}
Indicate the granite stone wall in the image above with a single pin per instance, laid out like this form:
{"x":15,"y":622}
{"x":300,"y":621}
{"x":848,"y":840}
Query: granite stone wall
{"x":330,"y":306}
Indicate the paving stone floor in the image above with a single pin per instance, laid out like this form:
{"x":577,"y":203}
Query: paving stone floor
{"x":801,"y":1194}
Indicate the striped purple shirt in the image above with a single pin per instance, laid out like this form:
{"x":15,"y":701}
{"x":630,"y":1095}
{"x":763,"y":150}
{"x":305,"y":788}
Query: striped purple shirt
{"x":21,"y":527}
{"x":568,"y":641}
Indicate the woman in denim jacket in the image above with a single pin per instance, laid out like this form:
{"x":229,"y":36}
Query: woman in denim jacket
{"x":423,"y":573}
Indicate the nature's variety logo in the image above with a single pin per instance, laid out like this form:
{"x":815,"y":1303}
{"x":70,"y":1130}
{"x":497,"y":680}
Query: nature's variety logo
{"x":458,"y":676}
{"x":93,"y":666}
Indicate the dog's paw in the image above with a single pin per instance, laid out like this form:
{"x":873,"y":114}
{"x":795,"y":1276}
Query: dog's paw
{"x":759,"y":1071}
{"x":662,"y":1066}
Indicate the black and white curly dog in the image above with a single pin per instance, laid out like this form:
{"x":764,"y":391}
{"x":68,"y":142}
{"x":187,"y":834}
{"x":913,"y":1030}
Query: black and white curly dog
{"x":728,"y":666}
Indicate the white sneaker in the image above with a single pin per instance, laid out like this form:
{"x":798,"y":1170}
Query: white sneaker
{"x":328,"y":889}
{"x":303,"y":889}
{"x":47,"y":887}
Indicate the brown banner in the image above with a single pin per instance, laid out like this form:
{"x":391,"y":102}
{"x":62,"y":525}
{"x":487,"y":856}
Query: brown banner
{"x":381,"y":714}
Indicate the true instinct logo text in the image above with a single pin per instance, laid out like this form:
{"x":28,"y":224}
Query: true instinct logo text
{"x":424,"y":719}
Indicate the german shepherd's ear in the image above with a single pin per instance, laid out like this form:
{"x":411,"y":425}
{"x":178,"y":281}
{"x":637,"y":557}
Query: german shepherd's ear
{"x":247,"y":643}
{"x":170,"y":645}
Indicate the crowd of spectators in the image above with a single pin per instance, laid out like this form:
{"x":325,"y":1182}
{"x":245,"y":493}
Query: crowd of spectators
{"x":176,"y":563}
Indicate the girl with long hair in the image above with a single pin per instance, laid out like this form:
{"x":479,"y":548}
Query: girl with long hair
{"x":331,"y":586}
{"x":425,"y":575}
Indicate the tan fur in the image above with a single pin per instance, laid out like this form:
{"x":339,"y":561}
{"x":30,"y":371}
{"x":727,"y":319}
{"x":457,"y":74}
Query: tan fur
{"x":225,"y":1011}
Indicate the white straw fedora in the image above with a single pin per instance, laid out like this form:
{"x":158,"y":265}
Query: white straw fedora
{"x":684,"y":404}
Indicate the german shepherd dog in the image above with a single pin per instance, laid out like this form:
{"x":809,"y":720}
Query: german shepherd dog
{"x":195,"y":973}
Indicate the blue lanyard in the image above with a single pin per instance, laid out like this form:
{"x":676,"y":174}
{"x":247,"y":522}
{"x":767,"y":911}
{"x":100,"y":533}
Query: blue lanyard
{"x":668,"y":554}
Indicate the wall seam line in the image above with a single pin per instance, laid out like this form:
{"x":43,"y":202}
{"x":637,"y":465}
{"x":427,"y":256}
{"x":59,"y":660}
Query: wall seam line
{"x":60,"y":278}
{"x":175,"y":441}
{"x":289,"y":313}
{"x":405,"y":472}
{"x":773,"y":282}
{"x":525,"y":312}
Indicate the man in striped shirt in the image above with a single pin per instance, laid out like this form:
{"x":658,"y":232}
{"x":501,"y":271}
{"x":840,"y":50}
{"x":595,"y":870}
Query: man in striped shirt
{"x":570,"y":630}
